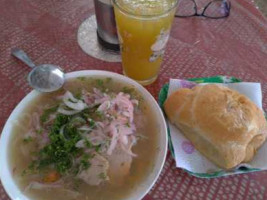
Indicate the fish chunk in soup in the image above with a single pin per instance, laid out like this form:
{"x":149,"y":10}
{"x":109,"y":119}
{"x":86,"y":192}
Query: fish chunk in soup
{"x":95,"y":139}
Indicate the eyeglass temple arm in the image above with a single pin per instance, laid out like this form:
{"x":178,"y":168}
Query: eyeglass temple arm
{"x":195,"y":8}
{"x":228,"y":9}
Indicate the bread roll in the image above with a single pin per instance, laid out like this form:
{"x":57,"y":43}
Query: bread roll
{"x":223,"y":125}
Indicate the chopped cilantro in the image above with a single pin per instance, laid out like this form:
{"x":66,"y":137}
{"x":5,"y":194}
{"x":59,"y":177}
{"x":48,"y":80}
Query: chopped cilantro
{"x":85,"y":113}
{"x":77,"y":121}
{"x":78,"y":95}
{"x":88,"y":144}
{"x":86,"y":156}
{"x":33,"y":153}
{"x":28,"y":139}
{"x":128,"y":90}
{"x":46,"y":113}
{"x":85,"y":164}
{"x":32,"y":165}
{"x":75,"y":170}
{"x":24,"y":172}
{"x":81,"y":78}
{"x":61,"y":149}
{"x":39,"y":131}
{"x":99,"y":82}
{"x":76,"y":183}
{"x":108,"y":80}
{"x":88,"y":112}
{"x":97,"y":148}
{"x":102,"y":175}
{"x":99,"y":114}
{"x":127,"y":124}
{"x":91,"y":123}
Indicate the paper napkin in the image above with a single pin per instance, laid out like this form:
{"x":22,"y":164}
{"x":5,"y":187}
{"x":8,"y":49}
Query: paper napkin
{"x":187,"y":157}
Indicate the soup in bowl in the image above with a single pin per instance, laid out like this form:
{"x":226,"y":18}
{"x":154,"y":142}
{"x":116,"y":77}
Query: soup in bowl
{"x":102,"y":136}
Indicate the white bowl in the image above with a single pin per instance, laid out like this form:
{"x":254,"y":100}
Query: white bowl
{"x":142,"y":189}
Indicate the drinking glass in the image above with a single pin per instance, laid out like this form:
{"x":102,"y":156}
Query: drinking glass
{"x":143,"y":28}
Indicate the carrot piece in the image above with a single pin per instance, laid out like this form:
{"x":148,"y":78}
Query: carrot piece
{"x":51,"y":177}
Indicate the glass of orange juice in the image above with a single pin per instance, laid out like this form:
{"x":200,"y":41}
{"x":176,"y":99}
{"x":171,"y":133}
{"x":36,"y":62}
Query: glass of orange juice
{"x":143,"y":29}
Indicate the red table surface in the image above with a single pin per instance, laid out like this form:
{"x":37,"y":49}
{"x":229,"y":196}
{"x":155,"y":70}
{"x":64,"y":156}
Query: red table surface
{"x":235,"y":46}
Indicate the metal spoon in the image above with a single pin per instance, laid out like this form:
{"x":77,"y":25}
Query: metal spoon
{"x":44,"y":78}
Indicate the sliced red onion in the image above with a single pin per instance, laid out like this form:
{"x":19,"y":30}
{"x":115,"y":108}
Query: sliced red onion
{"x":67,"y":112}
{"x":113,"y":143}
{"x":61,"y":131}
{"x":24,"y":150}
{"x":126,"y":114}
{"x":128,"y":151}
{"x":124,"y":139}
{"x":69,"y":95}
{"x":135,"y":102}
{"x":80,"y":144}
{"x":51,"y":118}
{"x":39,"y":186}
{"x":75,"y":104}
{"x":36,"y":120}
{"x":104,"y":106}
{"x":85,"y":128}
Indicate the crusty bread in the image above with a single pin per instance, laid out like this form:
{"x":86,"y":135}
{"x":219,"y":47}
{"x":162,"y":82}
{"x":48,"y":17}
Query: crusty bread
{"x":223,"y":125}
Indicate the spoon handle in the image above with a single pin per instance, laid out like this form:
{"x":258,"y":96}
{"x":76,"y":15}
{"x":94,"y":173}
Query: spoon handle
{"x":21,"y":55}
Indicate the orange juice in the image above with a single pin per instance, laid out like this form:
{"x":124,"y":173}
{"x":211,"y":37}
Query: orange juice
{"x":143,"y":28}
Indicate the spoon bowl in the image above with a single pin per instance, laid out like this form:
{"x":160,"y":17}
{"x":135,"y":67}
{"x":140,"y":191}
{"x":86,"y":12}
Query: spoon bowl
{"x":45,"y":77}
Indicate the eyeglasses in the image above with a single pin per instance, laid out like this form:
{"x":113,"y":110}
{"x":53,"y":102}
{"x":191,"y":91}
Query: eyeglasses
{"x":215,"y":9}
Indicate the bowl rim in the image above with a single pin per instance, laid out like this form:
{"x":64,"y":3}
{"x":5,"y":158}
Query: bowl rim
{"x":9,"y":184}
